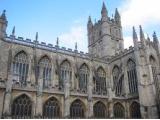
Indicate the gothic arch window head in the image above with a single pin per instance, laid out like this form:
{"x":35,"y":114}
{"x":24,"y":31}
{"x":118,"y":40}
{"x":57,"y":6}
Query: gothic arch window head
{"x":115,"y":74}
{"x":77,"y":109}
{"x":132,"y":77}
{"x":22,"y":108}
{"x":20,"y":68}
{"x":44,"y":61}
{"x":100,"y":87}
{"x":45,"y":68}
{"x":99,"y":110}
{"x":65,"y":73}
{"x":51,"y":109}
{"x":135,"y":110}
{"x":83,"y":78}
{"x":118,"y":110}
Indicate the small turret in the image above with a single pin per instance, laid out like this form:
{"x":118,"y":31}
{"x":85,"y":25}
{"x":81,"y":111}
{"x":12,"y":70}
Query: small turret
{"x":155,"y":39}
{"x":104,"y":12}
{"x":117,"y":17}
{"x":3,"y":24}
{"x":135,"y":39}
{"x":3,"y":16}
{"x":90,"y":24}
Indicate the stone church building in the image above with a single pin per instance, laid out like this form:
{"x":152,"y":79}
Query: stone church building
{"x":39,"y":80}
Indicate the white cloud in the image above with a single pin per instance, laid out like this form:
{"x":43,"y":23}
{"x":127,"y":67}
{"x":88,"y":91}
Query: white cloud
{"x":128,"y":41}
{"x":77,"y":33}
{"x":136,"y":12}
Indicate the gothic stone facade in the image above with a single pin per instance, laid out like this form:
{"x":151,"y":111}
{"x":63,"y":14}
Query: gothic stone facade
{"x":45,"y":81}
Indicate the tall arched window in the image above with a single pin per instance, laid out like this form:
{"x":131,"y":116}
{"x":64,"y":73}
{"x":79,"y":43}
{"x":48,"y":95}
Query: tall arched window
{"x":83,"y":78}
{"x":115,"y":74}
{"x":20,"y":68}
{"x":132,"y":77}
{"x":118,"y":111}
{"x":45,"y":66}
{"x":22,"y":108}
{"x":135,"y":110}
{"x":77,"y":109}
{"x":119,"y":86}
{"x":155,"y":73}
{"x":65,"y":73}
{"x":51,"y":109}
{"x":100,"y":82}
{"x":99,"y":110}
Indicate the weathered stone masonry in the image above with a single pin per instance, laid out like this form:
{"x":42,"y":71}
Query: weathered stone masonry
{"x":45,"y":81}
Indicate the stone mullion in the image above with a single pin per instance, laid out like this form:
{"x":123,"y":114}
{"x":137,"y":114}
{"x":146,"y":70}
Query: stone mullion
{"x":72,"y":79}
{"x":53,"y":76}
{"x":126,"y":82}
{"x":29,"y":73}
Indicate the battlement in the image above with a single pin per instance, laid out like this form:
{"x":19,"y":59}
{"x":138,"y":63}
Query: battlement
{"x":45,"y":46}
{"x":122,"y":53}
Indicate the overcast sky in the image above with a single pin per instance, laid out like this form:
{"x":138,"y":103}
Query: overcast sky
{"x":67,"y":19}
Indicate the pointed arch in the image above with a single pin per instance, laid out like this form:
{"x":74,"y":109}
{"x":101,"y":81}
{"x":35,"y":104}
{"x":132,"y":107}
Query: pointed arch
{"x":132,"y":77}
{"x":83,"y":77}
{"x":51,"y":108}
{"x":45,"y":70}
{"x":22,"y":107}
{"x":65,"y":73}
{"x":119,"y":111}
{"x":20,"y":68}
{"x":115,"y":74}
{"x":44,"y":60}
{"x":84,"y":65}
{"x":99,"y":110}
{"x":135,"y":110}
{"x":77,"y":109}
{"x":100,"y":86}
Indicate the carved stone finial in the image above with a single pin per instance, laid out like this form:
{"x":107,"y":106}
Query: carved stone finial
{"x":13,"y":31}
{"x":134,"y":34}
{"x":36,"y":36}
{"x":57,"y":41}
{"x":76,"y":46}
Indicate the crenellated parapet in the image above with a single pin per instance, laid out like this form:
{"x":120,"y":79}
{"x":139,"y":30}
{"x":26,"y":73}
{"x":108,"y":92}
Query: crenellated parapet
{"x":122,"y":54}
{"x":45,"y":46}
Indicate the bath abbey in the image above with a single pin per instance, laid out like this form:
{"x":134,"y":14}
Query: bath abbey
{"x":39,"y":80}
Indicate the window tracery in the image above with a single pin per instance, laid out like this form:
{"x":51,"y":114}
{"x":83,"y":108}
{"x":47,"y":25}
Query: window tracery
{"x":20,"y":68}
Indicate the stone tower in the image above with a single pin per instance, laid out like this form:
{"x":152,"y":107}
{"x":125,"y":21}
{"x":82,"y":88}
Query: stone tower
{"x":105,"y":36}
